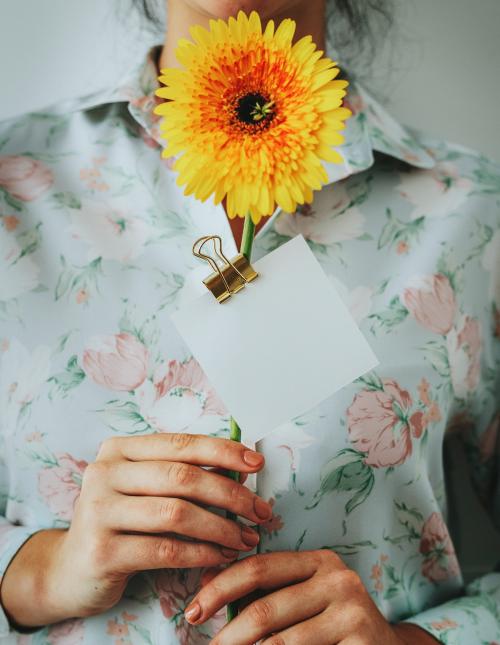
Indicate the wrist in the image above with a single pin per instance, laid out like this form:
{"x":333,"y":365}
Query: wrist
{"x":29,"y":588}
{"x":411,"y":634}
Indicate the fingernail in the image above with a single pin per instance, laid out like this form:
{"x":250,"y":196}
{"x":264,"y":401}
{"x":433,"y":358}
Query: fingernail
{"x":252,"y":458}
{"x":262,"y":509}
{"x":193,"y":612}
{"x":229,"y":553}
{"x":249,"y":536}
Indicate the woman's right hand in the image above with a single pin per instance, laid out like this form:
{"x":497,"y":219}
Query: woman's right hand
{"x":139,"y":495}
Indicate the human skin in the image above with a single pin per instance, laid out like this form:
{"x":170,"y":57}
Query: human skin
{"x":137,"y":490}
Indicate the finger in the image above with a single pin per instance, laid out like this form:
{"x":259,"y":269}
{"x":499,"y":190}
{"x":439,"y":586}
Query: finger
{"x":274,"y":612}
{"x":208,"y":575}
{"x":171,"y":515}
{"x":269,"y":571}
{"x":315,"y":631}
{"x":132,"y":553}
{"x":173,"y":479}
{"x":189,"y":448}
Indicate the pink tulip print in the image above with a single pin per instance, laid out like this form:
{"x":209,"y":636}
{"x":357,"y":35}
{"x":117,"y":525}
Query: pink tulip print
{"x":116,"y":362}
{"x":59,"y":485}
{"x":440,"y":561}
{"x":24,"y":178}
{"x":431,"y":301}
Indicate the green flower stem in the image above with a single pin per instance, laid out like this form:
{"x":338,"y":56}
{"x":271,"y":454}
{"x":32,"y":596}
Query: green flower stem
{"x":235,"y":430}
{"x":247,"y":237}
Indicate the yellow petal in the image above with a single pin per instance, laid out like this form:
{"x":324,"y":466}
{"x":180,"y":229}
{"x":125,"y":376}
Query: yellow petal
{"x":329,"y":154}
{"x":255,"y":214}
{"x":284,"y":33}
{"x":323,"y":77}
{"x":254,"y":24}
{"x":303,"y":48}
{"x":341,"y":113}
{"x":200,"y":35}
{"x":284,"y":199}
{"x":186,"y":52}
{"x":269,"y":31}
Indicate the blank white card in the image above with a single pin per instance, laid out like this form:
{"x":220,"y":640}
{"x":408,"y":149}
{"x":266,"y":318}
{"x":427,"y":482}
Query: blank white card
{"x":278,"y":347}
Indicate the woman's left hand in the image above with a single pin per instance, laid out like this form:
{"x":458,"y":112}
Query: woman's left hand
{"x":309,"y":597}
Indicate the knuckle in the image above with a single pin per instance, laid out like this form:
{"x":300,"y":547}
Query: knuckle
{"x":167,"y":550}
{"x":183,"y":474}
{"x":348,"y":580}
{"x":255,"y":569}
{"x":275,"y":640}
{"x":234,"y":492}
{"x":110,"y":446}
{"x":261,"y":612}
{"x":357,"y":617}
{"x":171,"y":512}
{"x":98,"y":507}
{"x":229,"y":449}
{"x":181,"y":440}
{"x":328,"y":558}
{"x":95,"y":473}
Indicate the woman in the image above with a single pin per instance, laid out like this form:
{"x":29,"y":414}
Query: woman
{"x":107,"y":421}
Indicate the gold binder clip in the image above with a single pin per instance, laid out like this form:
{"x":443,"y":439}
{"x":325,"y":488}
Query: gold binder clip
{"x":231,"y":277}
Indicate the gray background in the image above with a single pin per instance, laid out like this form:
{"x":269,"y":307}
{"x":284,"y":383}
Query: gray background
{"x":440,"y":67}
{"x":439,"y":70}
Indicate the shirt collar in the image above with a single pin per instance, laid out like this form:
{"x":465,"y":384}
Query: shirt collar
{"x":370,"y":128}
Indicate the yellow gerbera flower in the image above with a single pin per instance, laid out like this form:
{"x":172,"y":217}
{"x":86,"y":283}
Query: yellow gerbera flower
{"x":253,"y":114}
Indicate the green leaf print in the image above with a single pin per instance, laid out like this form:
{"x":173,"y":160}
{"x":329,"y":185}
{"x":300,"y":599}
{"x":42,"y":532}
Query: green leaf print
{"x":346,"y":472}
{"x":132,"y":322}
{"x":75,"y":278}
{"x":66,"y":200}
{"x":171,"y":284}
{"x":437,"y":355}
{"x":168,"y":224}
{"x":29,"y":241}
{"x":396,"y":230}
{"x":446,"y":265}
{"x":48,"y":157}
{"x":395,"y":584}
{"x":351,"y":549}
{"x":65,"y":381}
{"x":388,"y":318}
{"x":61,"y":343}
{"x":11,"y":201}
{"x":487,"y":177}
{"x":61,"y":123}
{"x":145,"y":633}
{"x":411,"y":519}
{"x":371,"y":381}
{"x":124,"y":417}
{"x":483,"y":234}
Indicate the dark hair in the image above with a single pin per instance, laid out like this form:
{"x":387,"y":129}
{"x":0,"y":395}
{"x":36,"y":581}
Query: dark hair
{"x":353,"y":26}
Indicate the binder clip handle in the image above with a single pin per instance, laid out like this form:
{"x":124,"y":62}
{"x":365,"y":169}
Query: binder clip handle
{"x":229,"y":278}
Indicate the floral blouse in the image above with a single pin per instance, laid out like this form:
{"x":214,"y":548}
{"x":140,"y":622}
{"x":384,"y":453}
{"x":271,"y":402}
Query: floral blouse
{"x":95,"y":254}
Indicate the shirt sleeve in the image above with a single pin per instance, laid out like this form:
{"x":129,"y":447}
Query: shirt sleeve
{"x":12,"y":538}
{"x":474,"y":617}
